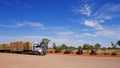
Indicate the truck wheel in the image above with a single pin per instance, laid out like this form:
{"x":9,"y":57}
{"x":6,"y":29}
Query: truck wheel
{"x":40,"y":53}
{"x":44,"y":53}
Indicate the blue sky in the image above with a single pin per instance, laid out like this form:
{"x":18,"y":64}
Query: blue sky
{"x":73,"y":22}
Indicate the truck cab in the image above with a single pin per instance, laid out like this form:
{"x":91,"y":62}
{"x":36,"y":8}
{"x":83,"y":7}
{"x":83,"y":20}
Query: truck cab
{"x":39,"y":49}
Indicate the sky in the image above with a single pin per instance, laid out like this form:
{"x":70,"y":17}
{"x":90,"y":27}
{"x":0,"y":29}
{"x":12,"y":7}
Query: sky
{"x":70,"y":22}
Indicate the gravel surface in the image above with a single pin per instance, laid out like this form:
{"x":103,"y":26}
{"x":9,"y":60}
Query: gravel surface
{"x":8,"y":60}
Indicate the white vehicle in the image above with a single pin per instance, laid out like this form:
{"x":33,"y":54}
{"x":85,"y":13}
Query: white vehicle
{"x":38,"y":49}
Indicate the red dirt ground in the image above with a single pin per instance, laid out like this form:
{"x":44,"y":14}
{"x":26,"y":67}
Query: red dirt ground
{"x":8,"y":60}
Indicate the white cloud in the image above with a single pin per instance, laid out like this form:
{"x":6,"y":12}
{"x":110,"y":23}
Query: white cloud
{"x":107,"y":12}
{"x":25,"y":23}
{"x":22,"y":38}
{"x":60,"y":40}
{"x":114,"y":8}
{"x":91,"y":35}
{"x":34,"y":37}
{"x":84,"y":9}
{"x":6,"y":37}
{"x":86,"y":35}
{"x":94,"y":19}
{"x":12,"y":26}
{"x":105,"y":33}
{"x":66,"y":33}
{"x":34,"y":24}
{"x":38,"y":39}
{"x":110,"y":32}
{"x":93,"y":24}
{"x":72,"y":39}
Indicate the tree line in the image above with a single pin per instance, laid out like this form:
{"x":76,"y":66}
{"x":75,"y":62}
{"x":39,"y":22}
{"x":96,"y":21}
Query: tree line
{"x":85,"y":46}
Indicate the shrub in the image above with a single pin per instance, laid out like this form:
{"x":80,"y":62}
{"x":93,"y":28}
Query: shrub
{"x":80,"y":51}
{"x":114,"y":54}
{"x":57,"y":51}
{"x":68,"y":52}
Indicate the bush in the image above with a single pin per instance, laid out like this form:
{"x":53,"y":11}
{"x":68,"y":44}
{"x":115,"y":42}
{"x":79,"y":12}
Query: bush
{"x":114,"y":54}
{"x":93,"y":52}
{"x":80,"y":51}
{"x":68,"y":52}
{"x":57,"y":51}
{"x":50,"y":51}
{"x":105,"y":53}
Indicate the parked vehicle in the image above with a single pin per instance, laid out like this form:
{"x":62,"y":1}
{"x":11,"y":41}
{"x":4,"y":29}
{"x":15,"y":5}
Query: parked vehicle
{"x":38,"y":49}
{"x":26,"y":47}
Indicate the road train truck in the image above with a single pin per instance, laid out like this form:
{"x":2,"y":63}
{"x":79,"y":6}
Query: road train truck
{"x":41,"y":48}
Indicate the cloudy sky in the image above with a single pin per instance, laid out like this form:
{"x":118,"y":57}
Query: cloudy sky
{"x":73,"y":22}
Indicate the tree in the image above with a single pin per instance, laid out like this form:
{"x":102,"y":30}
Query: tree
{"x":57,"y":48}
{"x":71,"y":47}
{"x":118,"y":42}
{"x":104,"y":48}
{"x":79,"y":47}
{"x":97,"y":46}
{"x":45,"y":42}
{"x":86,"y":46}
{"x":54,"y":46}
{"x":91,"y":47}
{"x":113,"y":45}
{"x":64,"y":46}
{"x":109,"y":48}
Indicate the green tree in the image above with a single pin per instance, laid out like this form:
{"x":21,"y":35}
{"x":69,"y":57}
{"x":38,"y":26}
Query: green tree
{"x":118,"y":42}
{"x":113,"y":45}
{"x":86,"y":46}
{"x":54,"y":46}
{"x":71,"y":48}
{"x":45,"y":42}
{"x":79,"y":47}
{"x":64,"y":46}
{"x":103,"y":48}
{"x":109,"y":48}
{"x":91,"y":47}
{"x":97,"y":46}
{"x":57,"y":48}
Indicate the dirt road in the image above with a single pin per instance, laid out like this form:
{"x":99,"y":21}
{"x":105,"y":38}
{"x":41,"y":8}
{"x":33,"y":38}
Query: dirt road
{"x":56,"y":61}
